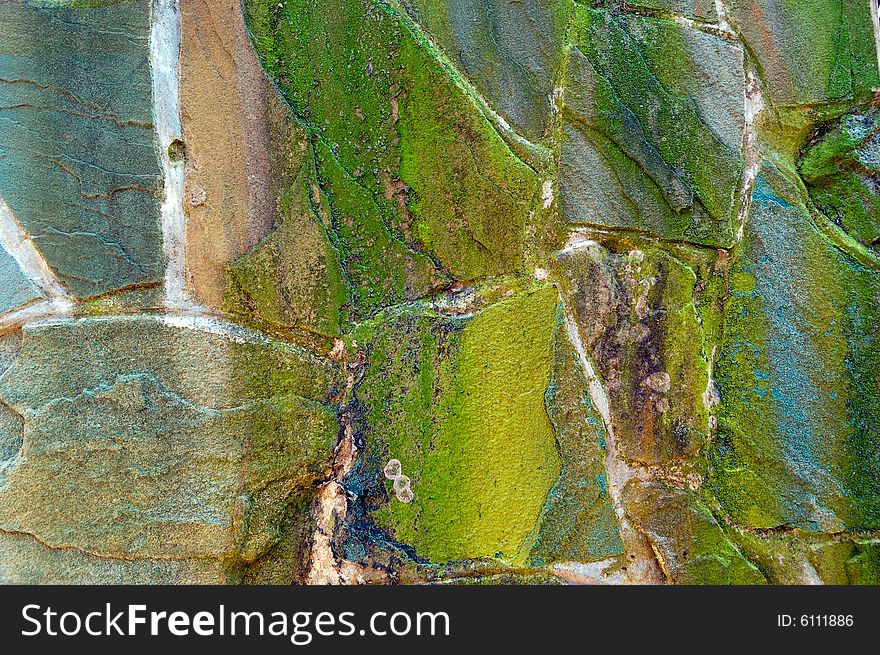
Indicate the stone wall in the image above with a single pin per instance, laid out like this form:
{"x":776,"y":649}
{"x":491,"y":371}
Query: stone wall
{"x":407,"y":291}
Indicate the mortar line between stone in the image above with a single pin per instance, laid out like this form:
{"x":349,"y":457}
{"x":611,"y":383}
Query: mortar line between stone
{"x":16,"y":241}
{"x":619,"y":472}
{"x":165,"y":66}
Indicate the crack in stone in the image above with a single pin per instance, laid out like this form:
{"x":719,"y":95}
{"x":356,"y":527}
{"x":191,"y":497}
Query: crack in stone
{"x":96,"y":555}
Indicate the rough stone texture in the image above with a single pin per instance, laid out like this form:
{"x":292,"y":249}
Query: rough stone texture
{"x":842,"y":170}
{"x":513,"y":51}
{"x":638,"y":316}
{"x":652,"y":128}
{"x":15,"y":288}
{"x":797,"y":374}
{"x":175,"y":449}
{"x":700,"y":9}
{"x":848,"y":562}
{"x":396,"y":131}
{"x":10,"y":344}
{"x":26,"y":561}
{"x":578,"y":523}
{"x":79,"y":167}
{"x":690,"y":545}
{"x":11,"y":423}
{"x":484,"y":292}
{"x":225,"y":110}
{"x":460,"y":403}
{"x":810,"y":51}
{"x":292,"y":282}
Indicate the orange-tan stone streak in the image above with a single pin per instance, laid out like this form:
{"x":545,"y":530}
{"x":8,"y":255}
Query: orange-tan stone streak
{"x":228,"y":197}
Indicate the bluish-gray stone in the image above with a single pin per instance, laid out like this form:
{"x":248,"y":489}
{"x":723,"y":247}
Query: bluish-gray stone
{"x":79,"y":167}
{"x":512,"y":51}
{"x":15,"y":288}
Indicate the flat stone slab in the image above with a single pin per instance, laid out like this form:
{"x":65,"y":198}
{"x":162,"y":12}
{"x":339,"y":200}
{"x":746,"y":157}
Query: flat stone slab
{"x":15,"y":288}
{"x":129,"y":439}
{"x":648,"y":144}
{"x":80,"y":168}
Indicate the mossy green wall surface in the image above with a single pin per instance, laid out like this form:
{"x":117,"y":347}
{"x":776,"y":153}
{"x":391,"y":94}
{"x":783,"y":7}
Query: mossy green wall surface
{"x":392,"y":118}
{"x":470,"y":428}
{"x":439,"y":291}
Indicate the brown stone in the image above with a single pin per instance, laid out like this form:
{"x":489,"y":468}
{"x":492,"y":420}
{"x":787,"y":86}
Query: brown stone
{"x":226,"y":108}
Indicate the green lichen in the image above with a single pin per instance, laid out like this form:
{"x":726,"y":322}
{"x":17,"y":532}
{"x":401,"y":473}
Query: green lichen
{"x":796,"y":440}
{"x":292,"y":281}
{"x":511,"y":52}
{"x":841,"y":168}
{"x":637,"y":315}
{"x":393,"y":119}
{"x":380,"y":268}
{"x":460,"y":402}
{"x":809,"y":51}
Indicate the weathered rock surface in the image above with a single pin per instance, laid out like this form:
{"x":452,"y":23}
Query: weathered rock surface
{"x":513,"y":51}
{"x":578,"y":523}
{"x":652,"y":128}
{"x":79,"y":168}
{"x":797,"y":442}
{"x":292,"y":281}
{"x":809,"y":52}
{"x":460,"y":403}
{"x":700,"y":9}
{"x":227,"y":113}
{"x":400,"y":139}
{"x":15,"y":288}
{"x":26,"y":561}
{"x":187,"y":448}
{"x":439,"y":292}
{"x":640,"y":318}
{"x":841,"y":168}
{"x":690,"y":545}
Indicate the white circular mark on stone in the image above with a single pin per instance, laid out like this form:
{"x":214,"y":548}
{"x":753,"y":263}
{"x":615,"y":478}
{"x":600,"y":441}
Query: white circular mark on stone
{"x":405,"y":495}
{"x":198,"y":197}
{"x":393,"y":469}
{"x":402,"y":484}
{"x":659,"y":382}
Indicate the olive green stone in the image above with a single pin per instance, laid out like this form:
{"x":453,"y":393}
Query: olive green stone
{"x":809,"y":51}
{"x":690,"y":545}
{"x":512,"y":51}
{"x":841,"y":168}
{"x":293,"y":279}
{"x":409,"y":164}
{"x":147,"y":441}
